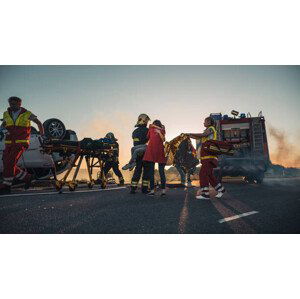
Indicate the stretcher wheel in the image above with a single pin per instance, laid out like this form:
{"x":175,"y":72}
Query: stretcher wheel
{"x":72,"y":188}
{"x":103,"y":185}
{"x":58,"y":185}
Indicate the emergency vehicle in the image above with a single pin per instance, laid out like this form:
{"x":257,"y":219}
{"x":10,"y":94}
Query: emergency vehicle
{"x":249,"y":137}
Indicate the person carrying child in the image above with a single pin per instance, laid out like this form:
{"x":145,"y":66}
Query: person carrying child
{"x":136,"y":151}
{"x":140,"y":138}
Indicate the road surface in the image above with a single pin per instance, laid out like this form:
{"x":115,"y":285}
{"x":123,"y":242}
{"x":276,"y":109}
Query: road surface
{"x":273,"y":207}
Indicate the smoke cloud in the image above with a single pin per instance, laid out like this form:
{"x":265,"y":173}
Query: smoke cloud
{"x":121,"y":125}
{"x":285,"y":153}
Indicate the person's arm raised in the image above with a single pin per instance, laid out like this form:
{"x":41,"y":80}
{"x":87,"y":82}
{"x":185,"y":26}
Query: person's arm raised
{"x":194,"y":135}
{"x":40,"y":126}
{"x":3,"y":124}
{"x":206,"y":133}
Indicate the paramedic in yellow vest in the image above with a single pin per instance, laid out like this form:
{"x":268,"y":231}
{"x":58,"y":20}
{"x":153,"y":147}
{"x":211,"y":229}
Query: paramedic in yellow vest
{"x":208,"y":162}
{"x":17,"y":123}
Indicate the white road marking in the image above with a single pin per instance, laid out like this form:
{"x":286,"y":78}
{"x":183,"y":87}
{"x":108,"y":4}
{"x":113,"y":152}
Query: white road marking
{"x":56,"y":193}
{"x":237,"y":216}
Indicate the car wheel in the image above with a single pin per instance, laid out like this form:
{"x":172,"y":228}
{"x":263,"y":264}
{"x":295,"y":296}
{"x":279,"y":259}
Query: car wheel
{"x":54,"y":128}
{"x":72,"y":186}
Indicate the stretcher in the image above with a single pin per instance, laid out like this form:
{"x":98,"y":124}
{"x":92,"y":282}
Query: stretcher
{"x":94,"y":152}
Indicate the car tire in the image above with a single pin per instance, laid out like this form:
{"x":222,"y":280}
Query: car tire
{"x":54,"y":128}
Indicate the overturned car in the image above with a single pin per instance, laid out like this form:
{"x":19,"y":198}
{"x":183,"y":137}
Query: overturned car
{"x":34,"y":159}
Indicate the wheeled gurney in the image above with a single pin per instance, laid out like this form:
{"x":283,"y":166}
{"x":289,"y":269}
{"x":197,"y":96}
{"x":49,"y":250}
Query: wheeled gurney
{"x":94,"y":152}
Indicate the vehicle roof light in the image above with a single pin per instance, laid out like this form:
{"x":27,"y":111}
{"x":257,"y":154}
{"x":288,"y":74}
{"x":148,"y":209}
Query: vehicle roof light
{"x":234,"y":112}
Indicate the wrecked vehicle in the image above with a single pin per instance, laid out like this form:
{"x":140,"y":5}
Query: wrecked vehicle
{"x":34,"y":159}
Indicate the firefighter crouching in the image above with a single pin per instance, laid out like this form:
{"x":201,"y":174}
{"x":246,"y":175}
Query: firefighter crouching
{"x":208,"y":161}
{"x":114,"y":162}
{"x":139,"y":137}
{"x":17,"y":122}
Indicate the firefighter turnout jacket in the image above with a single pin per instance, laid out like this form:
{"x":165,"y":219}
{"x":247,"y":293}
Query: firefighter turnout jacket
{"x":139,"y":135}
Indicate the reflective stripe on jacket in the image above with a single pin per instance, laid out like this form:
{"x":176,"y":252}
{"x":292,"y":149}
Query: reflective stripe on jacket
{"x":213,"y":137}
{"x":17,"y":131}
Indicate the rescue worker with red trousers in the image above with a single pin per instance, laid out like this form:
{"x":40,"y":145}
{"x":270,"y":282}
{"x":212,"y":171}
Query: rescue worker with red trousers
{"x":140,"y":136}
{"x":208,"y":161}
{"x":17,"y":123}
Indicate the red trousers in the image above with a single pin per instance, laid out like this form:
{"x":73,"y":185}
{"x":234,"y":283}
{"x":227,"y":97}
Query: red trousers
{"x":206,"y":174}
{"x":11,"y":155}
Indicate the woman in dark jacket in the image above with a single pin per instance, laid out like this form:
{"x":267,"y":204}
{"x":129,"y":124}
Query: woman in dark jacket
{"x":155,"y":153}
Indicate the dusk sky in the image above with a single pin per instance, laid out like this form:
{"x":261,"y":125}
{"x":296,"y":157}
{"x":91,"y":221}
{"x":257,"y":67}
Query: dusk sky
{"x":93,"y":100}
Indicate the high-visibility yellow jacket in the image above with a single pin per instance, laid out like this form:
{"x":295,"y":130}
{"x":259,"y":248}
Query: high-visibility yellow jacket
{"x":19,"y":130}
{"x":203,"y":155}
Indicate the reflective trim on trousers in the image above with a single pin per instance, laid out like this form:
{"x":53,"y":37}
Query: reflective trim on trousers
{"x":8,"y":178}
{"x":22,"y":176}
{"x":19,"y":174}
{"x":7,"y":183}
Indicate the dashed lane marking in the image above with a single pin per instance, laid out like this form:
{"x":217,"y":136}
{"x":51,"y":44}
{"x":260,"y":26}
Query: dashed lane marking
{"x":227,"y":219}
{"x":56,"y":193}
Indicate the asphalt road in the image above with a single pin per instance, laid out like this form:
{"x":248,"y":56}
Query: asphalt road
{"x":273,"y":207}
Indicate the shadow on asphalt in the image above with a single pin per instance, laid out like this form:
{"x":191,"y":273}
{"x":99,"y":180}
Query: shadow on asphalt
{"x":118,"y":212}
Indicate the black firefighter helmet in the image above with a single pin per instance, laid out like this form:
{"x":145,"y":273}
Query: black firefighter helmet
{"x":143,"y":119}
{"x":111,"y":136}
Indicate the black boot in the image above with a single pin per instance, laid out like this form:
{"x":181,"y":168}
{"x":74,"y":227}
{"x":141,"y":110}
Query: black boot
{"x":29,"y":179}
{"x":122,"y":182}
{"x":133,"y":190}
{"x":145,"y":190}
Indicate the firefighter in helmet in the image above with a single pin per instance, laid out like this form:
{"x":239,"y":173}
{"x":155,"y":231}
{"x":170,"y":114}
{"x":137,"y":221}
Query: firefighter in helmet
{"x":17,"y":123}
{"x":113,"y":163}
{"x":139,"y":136}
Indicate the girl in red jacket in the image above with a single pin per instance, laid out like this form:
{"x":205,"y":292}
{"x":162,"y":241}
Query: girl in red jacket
{"x":155,"y":153}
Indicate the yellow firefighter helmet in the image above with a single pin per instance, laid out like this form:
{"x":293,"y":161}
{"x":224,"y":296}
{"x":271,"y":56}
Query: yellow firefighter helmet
{"x":142,"y":119}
